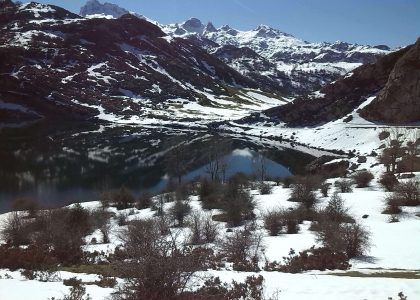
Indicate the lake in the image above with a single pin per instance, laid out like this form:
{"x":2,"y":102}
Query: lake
{"x":57,"y":165}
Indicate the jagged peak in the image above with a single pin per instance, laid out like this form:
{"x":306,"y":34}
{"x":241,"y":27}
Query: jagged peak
{"x":193,"y":22}
{"x":94,"y":7}
{"x":210,"y":27}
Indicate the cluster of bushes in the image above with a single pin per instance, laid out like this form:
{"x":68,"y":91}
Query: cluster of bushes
{"x":233,"y":197}
{"x":404,"y":194}
{"x":51,"y":236}
{"x":311,"y":259}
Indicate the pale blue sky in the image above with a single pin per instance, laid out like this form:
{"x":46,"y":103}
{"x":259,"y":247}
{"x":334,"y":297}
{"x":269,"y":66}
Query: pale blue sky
{"x":391,"y":22}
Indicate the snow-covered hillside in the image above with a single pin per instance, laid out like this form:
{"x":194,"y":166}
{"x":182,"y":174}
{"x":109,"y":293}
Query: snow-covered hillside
{"x":384,"y":272}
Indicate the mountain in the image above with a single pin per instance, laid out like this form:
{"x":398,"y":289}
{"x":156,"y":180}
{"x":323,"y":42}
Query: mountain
{"x":274,"y":59}
{"x":278,"y":58}
{"x":94,"y":7}
{"x":385,"y":91}
{"x":57,"y":64}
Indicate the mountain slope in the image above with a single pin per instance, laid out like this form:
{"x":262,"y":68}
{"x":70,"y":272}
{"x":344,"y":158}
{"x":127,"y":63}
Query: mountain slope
{"x":57,"y":64}
{"x":399,"y":100}
{"x":394,"y":79}
{"x":297,"y":65}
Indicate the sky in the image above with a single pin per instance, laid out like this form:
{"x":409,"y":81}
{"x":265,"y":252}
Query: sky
{"x":391,"y":22}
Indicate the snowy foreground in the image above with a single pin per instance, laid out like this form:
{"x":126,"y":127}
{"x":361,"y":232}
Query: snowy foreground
{"x":395,"y":250}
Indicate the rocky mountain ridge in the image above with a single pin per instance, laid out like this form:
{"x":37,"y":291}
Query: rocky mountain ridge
{"x":272,"y":57}
{"x":57,"y":64}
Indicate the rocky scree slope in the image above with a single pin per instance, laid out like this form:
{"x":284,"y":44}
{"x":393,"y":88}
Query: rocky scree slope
{"x":56,"y":64}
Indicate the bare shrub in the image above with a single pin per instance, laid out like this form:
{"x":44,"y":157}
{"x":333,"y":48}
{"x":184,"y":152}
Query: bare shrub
{"x":144,"y":201}
{"x":77,"y":292}
{"x":123,"y":199}
{"x":265,"y":188}
{"x":122,"y":219}
{"x":237,"y":203}
{"x":26,"y":204}
{"x":388,"y":181}
{"x":351,"y":239}
{"x":16,"y":230}
{"x":273,"y":221}
{"x":64,"y":229}
{"x":203,"y":229}
{"x":179,"y":211}
{"x":392,"y":205}
{"x":312,"y":259}
{"x":252,"y":288}
{"x":157,"y":266}
{"x":335,"y":211}
{"x":363,"y":178}
{"x":344,"y":185}
{"x":303,"y":193}
{"x":243,"y":248}
{"x":210,"y":193}
{"x":408,"y":193}
{"x":288,"y":181}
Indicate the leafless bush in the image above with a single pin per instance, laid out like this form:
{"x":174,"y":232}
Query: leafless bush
{"x":156,"y":266}
{"x":303,"y":193}
{"x":144,"y":201}
{"x":335,"y":211}
{"x":26,"y":204}
{"x":243,"y":248}
{"x":179,"y":211}
{"x":16,"y":230}
{"x":265,"y":188}
{"x":388,"y":181}
{"x":210,"y":193}
{"x":344,"y":185}
{"x":273,"y":221}
{"x":408,"y":193}
{"x":123,"y":199}
{"x":363,"y":178}
{"x":352,"y":239}
{"x":203,"y":229}
{"x":237,"y":203}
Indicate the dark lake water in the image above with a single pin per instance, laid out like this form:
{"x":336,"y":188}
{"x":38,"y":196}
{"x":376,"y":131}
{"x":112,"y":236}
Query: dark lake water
{"x":59,"y":165}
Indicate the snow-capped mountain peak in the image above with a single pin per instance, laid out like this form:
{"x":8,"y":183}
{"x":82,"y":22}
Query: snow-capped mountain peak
{"x":96,"y":8}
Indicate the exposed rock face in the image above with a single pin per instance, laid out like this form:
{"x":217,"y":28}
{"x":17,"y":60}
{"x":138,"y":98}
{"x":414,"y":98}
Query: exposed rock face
{"x":399,"y":100}
{"x":338,"y":99}
{"x":93,"y":7}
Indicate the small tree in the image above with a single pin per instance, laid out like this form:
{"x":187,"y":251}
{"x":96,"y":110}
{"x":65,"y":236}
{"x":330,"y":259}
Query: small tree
{"x":238,"y":204}
{"x":179,"y":211}
{"x":335,"y":211}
